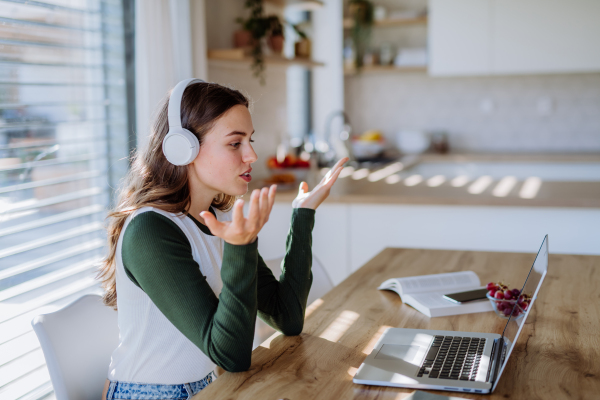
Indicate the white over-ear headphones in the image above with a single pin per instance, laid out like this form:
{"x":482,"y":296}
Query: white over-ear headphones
{"x":180,"y":146}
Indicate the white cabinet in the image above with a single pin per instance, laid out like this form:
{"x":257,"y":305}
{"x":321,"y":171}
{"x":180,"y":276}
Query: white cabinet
{"x":496,"y":37}
{"x":459,"y":37}
{"x":545,"y":36}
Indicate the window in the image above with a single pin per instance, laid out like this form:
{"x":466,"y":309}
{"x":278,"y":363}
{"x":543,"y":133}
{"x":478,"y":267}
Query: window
{"x":64,"y":144}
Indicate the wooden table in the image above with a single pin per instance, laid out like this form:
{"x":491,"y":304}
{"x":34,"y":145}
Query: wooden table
{"x":557,"y":355}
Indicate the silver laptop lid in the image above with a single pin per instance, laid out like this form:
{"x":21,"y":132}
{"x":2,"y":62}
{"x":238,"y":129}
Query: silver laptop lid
{"x":532,"y":285}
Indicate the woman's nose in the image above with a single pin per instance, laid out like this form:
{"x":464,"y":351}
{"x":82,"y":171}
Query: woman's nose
{"x":250,"y":155}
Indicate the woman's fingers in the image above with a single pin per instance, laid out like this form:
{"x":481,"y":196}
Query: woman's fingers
{"x":333,"y":173}
{"x":272,"y":191}
{"x":303,"y":188}
{"x":264,"y":206}
{"x":339,"y":165}
{"x":333,"y":177}
{"x":238,"y":213}
{"x":216,"y":227}
{"x":254,"y":211}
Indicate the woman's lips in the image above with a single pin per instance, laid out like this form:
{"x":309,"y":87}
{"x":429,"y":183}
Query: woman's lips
{"x":246,"y":177}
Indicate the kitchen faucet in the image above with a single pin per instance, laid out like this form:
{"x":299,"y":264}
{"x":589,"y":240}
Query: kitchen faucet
{"x":332,"y":150}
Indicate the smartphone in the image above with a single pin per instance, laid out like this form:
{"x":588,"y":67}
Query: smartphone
{"x":469,"y":295}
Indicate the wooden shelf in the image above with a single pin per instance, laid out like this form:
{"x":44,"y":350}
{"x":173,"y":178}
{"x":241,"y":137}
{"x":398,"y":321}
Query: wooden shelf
{"x":237,"y":56}
{"x":383,"y":69}
{"x":298,"y":5}
{"x":349,"y":23}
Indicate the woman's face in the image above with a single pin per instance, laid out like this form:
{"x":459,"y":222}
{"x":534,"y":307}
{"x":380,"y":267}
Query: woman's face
{"x":223,"y":162}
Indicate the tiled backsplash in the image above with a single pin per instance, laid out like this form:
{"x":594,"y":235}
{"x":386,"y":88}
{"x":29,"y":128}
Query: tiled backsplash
{"x":538,"y":113}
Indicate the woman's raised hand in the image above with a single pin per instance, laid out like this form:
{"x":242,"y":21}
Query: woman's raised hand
{"x":243,"y":230}
{"x":314,"y":198}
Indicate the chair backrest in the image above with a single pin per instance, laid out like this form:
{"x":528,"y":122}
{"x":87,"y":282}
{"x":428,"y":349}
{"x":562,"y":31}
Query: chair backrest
{"x":321,"y":281}
{"x":321,"y":285}
{"x":77,"y":342}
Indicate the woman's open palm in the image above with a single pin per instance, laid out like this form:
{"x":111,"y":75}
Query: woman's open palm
{"x":243,"y":230}
{"x":315,"y":197}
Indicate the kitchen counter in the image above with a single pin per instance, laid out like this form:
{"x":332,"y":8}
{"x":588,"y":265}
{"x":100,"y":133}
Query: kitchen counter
{"x":361,"y":217}
{"x":552,"y":192}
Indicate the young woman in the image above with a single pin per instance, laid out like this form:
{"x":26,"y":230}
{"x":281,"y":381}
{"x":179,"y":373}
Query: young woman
{"x":183,"y":267}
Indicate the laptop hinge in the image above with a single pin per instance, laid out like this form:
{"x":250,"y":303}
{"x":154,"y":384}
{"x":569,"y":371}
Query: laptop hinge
{"x":497,"y":352}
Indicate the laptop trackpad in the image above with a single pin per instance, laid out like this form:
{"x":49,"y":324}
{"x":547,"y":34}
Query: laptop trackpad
{"x":398,"y":352}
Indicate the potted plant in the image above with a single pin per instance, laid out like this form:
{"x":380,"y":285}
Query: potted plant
{"x":256,"y":29}
{"x":361,"y":12}
{"x":302,"y":48}
{"x":276,"y":38}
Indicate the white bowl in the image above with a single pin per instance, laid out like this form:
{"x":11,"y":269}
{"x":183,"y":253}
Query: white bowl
{"x":412,"y":142}
{"x":367,"y":149}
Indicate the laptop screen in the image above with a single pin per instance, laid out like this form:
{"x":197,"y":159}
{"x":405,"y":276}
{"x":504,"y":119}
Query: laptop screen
{"x":532,"y":285}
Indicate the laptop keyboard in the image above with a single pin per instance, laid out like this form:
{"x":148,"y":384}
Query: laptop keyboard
{"x":453,"y":357}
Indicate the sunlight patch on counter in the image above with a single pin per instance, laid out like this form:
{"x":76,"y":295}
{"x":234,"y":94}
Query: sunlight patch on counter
{"x":346,"y":172}
{"x":504,"y":187}
{"x":392,"y":179}
{"x":385,"y":172}
{"x":480,"y":184}
{"x":413,"y":180}
{"x":459,"y":181}
{"x":530,"y":188}
{"x":436,"y":181}
{"x":337,"y":328}
{"x":360,"y":174}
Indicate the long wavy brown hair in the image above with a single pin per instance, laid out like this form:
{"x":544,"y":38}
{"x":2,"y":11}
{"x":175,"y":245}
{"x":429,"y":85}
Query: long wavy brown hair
{"x":153,"y":181}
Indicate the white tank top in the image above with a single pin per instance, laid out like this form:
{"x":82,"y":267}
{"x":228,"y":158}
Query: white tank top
{"x":151,"y":349}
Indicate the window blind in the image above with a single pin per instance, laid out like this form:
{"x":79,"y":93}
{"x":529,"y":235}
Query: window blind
{"x":63,"y":146}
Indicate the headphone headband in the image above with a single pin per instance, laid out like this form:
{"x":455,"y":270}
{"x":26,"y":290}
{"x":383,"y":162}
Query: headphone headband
{"x":174,"y":112}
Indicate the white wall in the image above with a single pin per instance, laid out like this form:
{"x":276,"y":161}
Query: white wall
{"x":537,"y":113}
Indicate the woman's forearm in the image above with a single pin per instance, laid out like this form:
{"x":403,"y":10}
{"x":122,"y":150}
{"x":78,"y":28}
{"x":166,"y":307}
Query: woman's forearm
{"x":282,"y":303}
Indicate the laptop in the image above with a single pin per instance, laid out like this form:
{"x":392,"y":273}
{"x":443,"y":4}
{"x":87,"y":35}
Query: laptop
{"x":449,"y":360}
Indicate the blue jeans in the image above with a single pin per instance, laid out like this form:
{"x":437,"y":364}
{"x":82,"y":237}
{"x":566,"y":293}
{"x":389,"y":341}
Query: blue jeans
{"x":148,"y":391}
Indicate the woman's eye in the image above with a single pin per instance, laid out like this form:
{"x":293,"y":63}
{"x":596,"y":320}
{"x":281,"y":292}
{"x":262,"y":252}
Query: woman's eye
{"x":237,"y":144}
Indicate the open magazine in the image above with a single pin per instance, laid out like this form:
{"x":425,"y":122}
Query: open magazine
{"x":425,"y":293}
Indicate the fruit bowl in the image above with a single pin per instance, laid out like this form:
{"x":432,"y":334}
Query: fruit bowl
{"x":503,"y":307}
{"x":299,"y":174}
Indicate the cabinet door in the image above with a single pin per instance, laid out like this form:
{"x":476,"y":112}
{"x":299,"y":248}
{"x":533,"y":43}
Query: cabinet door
{"x":533,"y":36}
{"x":459,"y":37}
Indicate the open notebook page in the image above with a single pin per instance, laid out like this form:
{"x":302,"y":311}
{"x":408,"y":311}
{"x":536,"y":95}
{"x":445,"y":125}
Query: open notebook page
{"x":448,"y":283}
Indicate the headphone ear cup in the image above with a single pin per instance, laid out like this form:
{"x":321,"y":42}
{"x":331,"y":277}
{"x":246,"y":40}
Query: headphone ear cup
{"x":180,"y":146}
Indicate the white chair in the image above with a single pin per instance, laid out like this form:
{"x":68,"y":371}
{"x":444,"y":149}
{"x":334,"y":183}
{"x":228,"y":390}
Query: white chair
{"x":321,"y":284}
{"x":77,"y":342}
